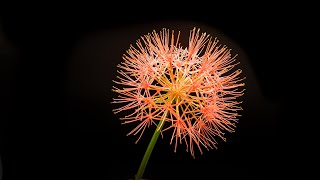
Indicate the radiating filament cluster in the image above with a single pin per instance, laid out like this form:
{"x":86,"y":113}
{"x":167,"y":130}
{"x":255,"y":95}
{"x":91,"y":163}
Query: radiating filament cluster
{"x":193,"y":90}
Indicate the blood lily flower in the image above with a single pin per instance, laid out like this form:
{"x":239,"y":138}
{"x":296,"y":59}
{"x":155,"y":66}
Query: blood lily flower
{"x":191,"y":91}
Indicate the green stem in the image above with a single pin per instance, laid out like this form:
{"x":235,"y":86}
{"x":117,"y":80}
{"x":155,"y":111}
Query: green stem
{"x":148,"y":151}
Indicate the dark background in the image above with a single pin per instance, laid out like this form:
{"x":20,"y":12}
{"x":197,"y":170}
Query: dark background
{"x":55,"y":126}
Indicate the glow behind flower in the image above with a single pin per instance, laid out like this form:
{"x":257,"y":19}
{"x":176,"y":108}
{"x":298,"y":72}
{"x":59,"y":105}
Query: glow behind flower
{"x":192,"y":90}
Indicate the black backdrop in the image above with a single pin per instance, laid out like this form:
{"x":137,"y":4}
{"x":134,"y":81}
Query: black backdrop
{"x":57,"y":121}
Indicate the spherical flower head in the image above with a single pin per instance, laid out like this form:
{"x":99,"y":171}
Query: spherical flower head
{"x":192,"y":90}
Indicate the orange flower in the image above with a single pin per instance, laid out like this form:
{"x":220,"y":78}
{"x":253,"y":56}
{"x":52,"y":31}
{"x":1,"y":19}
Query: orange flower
{"x":192,"y":90}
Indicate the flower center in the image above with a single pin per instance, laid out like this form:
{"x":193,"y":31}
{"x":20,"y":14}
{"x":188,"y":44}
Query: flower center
{"x":177,"y":93}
